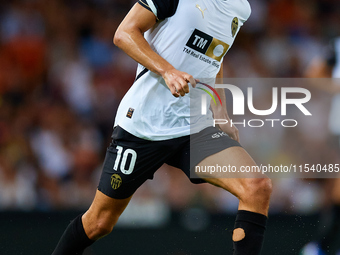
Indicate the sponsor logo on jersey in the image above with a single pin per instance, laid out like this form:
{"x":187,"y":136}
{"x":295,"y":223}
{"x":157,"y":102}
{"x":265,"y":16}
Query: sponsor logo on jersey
{"x":130,"y":112}
{"x":207,"y":45}
{"x":234,"y":26}
{"x":116,"y":181}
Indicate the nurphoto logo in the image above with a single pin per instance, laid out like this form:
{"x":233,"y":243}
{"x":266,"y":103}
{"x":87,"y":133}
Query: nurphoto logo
{"x":239,"y":102}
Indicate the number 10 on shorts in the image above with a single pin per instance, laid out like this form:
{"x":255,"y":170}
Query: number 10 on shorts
{"x":123,"y":166}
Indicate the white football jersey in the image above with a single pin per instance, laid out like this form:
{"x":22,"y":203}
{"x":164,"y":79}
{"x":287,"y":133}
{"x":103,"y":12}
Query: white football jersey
{"x":193,"y":36}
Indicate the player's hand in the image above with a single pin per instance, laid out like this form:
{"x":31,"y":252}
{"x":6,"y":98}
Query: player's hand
{"x":232,"y":131}
{"x":177,"y":82}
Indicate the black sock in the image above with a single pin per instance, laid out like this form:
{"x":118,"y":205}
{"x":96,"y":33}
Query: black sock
{"x":254,"y":226}
{"x":74,"y":240}
{"x":330,"y":227}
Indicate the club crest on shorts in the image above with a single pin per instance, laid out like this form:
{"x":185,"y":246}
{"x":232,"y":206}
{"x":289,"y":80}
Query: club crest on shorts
{"x":116,"y":181}
{"x":234,"y":26}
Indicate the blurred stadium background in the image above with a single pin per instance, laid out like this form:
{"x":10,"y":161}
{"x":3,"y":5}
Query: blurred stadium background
{"x":61,"y":80}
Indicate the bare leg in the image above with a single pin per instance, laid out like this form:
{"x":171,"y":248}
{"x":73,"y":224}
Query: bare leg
{"x":103,"y":215}
{"x":253,"y":193}
{"x":97,"y":222}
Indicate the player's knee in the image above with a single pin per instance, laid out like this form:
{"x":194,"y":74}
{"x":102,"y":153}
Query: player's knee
{"x":257,"y":189}
{"x":102,"y":227}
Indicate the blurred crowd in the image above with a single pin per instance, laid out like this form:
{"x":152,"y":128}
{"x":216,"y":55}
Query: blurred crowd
{"x":61,"y":80}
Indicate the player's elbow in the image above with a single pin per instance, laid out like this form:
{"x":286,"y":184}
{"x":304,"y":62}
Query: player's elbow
{"x":122,"y":35}
{"x":118,"y":38}
{"x":126,"y":35}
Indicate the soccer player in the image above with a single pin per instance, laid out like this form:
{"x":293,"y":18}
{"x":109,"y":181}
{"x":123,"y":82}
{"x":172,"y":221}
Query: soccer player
{"x":328,"y":66}
{"x":174,"y":42}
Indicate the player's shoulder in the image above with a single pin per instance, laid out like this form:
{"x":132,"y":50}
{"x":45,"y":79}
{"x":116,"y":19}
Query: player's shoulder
{"x":167,"y":8}
{"x":239,"y":8}
{"x":161,"y":8}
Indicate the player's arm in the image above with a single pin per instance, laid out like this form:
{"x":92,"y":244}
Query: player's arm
{"x":220,"y":111}
{"x":129,"y":37}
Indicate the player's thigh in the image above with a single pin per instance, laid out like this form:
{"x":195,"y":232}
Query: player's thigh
{"x":238,"y":183}
{"x":200,"y":146}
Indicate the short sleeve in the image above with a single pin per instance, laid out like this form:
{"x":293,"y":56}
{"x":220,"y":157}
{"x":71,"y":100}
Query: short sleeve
{"x":161,"y":8}
{"x":330,"y":54}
